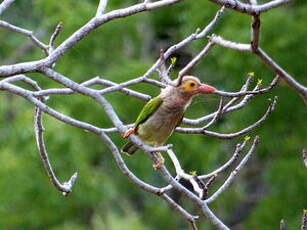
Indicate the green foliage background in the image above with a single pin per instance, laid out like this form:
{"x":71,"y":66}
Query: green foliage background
{"x":271,"y":187}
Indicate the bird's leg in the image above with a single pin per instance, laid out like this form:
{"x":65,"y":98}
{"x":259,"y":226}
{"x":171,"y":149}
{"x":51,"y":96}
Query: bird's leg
{"x":160,"y":161}
{"x":128,"y":132}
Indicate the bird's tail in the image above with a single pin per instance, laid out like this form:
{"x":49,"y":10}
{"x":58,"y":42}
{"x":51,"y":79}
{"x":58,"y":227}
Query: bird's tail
{"x":129,"y":148}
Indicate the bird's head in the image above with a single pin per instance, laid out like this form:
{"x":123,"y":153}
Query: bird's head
{"x":191,"y":85}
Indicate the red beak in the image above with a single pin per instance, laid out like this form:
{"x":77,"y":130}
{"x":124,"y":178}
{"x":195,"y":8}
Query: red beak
{"x":203,"y":88}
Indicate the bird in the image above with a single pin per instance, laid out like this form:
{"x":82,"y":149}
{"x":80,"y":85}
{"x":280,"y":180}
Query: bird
{"x":163,"y":113}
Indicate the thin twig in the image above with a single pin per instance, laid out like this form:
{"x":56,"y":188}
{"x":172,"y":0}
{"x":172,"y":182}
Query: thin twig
{"x":238,"y":150}
{"x":197,"y":187}
{"x":253,"y":2}
{"x":250,"y":9}
{"x":217,"y":115}
{"x":25,"y":32}
{"x":149,"y":188}
{"x":5,"y":4}
{"x":231,"y":135}
{"x":255,"y":32}
{"x":163,"y":71}
{"x":43,"y":66}
{"x":229,"y":44}
{"x":227,"y":107}
{"x":52,"y":112}
{"x":66,"y":187}
{"x":244,"y":88}
{"x":101,"y":7}
{"x":55,"y":34}
{"x":91,"y":82}
{"x":233,"y":174}
{"x":213,"y":22}
{"x":207,"y":185}
{"x":240,"y":94}
{"x":92,"y":24}
{"x":196,"y":59}
{"x":301,"y":89}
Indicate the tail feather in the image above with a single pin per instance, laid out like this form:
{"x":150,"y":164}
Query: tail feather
{"x":129,"y":148}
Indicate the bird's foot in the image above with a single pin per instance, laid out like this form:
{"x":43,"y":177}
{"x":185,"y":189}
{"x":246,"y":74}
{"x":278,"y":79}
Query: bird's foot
{"x":128,"y":132}
{"x":160,"y":161}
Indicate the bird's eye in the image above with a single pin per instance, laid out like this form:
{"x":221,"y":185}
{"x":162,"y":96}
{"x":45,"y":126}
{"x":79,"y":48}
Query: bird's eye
{"x":192,"y":84}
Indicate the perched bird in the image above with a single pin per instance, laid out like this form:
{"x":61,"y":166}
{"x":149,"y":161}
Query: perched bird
{"x":162,"y":114}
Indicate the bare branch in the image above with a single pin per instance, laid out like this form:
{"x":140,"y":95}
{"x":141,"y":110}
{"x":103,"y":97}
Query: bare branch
{"x":25,"y":32}
{"x":227,"y":108}
{"x":98,"y":21}
{"x":171,"y":66}
{"x":239,"y":149}
{"x":196,"y":59}
{"x":14,"y":89}
{"x":231,"y":135}
{"x":126,"y":91}
{"x":122,"y":85}
{"x":250,"y":9}
{"x":244,"y":88}
{"x":149,"y":188}
{"x":66,"y":119}
{"x":302,"y":90}
{"x":233,"y":174}
{"x":197,"y":35}
{"x":239,"y":94}
{"x":162,"y":71}
{"x":255,"y":32}
{"x":217,"y":115}
{"x":96,"y":81}
{"x":210,"y":26}
{"x":190,"y":218}
{"x":22,"y":78}
{"x":66,"y":187}
{"x":246,"y":130}
{"x":214,"y":219}
{"x":55,"y":34}
{"x":5,"y":4}
{"x":101,"y":7}
{"x":205,"y":210}
{"x":253,"y":2}
{"x":229,"y":44}
{"x":105,"y":105}
{"x":200,"y":188}
{"x":155,"y":82}
{"x":197,"y":186}
{"x":9,"y":70}
{"x":207,"y":185}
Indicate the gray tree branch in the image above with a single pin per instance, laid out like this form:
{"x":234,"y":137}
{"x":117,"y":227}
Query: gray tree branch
{"x":239,"y":99}
{"x":5,"y":4}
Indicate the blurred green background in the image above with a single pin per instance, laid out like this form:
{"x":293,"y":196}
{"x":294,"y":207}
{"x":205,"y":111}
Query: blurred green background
{"x":271,"y":187}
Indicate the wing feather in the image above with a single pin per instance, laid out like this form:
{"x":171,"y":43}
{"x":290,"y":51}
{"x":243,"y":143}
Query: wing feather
{"x":148,"y":110}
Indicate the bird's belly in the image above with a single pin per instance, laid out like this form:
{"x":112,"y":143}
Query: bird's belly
{"x":157,"y":129}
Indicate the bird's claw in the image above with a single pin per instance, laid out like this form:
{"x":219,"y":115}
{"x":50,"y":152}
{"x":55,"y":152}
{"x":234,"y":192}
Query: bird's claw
{"x":128,"y":132}
{"x":160,"y":161}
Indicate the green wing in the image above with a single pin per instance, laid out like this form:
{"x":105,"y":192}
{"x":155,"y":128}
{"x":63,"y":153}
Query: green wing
{"x":148,"y":110}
